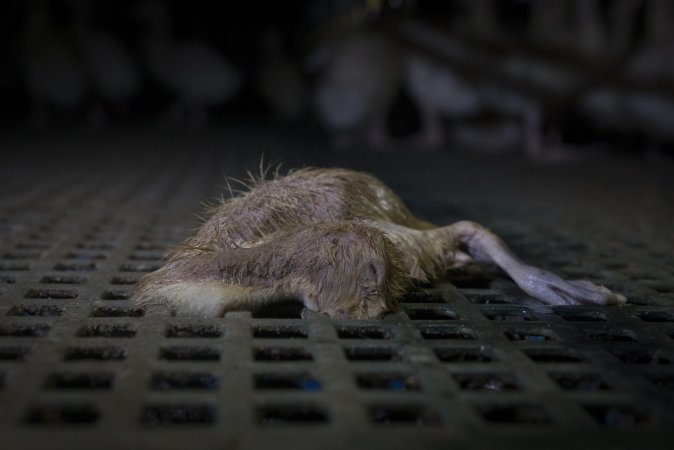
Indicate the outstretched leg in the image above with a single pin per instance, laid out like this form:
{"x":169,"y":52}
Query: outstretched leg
{"x":485,"y":247}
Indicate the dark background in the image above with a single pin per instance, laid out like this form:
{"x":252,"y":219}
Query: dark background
{"x":236,"y":31}
{"x":93,"y":195}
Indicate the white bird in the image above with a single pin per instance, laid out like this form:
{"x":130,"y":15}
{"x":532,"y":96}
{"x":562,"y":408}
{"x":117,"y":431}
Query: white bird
{"x":358,"y":87}
{"x":280,"y":81}
{"x":54,"y":76}
{"x":653,"y":61}
{"x":192,"y":70}
{"x":438,"y":93}
{"x":109,"y":67}
{"x":634,"y":104}
{"x":471,"y":81}
{"x":652,"y":112}
{"x":631,"y":109}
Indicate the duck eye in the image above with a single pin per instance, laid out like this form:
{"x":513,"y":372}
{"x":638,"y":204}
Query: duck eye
{"x":376,"y":273}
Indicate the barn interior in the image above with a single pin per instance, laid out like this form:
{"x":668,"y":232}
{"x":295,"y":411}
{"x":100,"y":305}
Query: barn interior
{"x":549,"y":121}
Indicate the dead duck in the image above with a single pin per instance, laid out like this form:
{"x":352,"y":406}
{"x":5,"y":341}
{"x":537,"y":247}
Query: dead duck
{"x":341,"y":242}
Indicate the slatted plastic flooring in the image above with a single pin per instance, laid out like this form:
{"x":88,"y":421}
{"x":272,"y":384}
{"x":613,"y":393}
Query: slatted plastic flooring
{"x":474,"y":363}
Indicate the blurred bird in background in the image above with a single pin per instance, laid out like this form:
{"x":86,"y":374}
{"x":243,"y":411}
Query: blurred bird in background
{"x":194,"y":72}
{"x":54,"y":76}
{"x":109,"y":67}
{"x":280,"y":80}
{"x":554,"y":80}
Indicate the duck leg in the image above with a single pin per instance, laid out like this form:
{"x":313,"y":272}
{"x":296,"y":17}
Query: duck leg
{"x":486,"y":247}
{"x":442,"y":244}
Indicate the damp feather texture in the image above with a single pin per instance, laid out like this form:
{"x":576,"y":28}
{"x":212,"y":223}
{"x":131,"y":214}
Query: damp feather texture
{"x":340,"y":241}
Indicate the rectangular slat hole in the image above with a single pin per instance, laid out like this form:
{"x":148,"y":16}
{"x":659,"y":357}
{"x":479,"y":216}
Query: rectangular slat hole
{"x":448,"y":332}
{"x":54,"y":294}
{"x":422,"y":297}
{"x":616,"y":416}
{"x":655,"y":316}
{"x":638,"y":301}
{"x":152,"y":246}
{"x":464,"y":355}
{"x":189,"y":353}
{"x":7,"y":279}
{"x":95,"y":245}
{"x":396,"y":414}
{"x":662,"y":381}
{"x":164,"y":415}
{"x":14,"y":266}
{"x":489,"y":299}
{"x":611,"y":335}
{"x":33,"y":246}
{"x":516,"y":413}
{"x":615,"y":265}
{"x":642,"y":356}
{"x":398,"y":382}
{"x":530,"y":334}
{"x":193,"y":331}
{"x":36,"y":310}
{"x":279,"y":332}
{"x":139,"y":267}
{"x":13,"y":353}
{"x":430,"y":314}
{"x":580,"y":382}
{"x":63,"y":279}
{"x":146,"y":256}
{"x":363,"y":332}
{"x":281,"y":354}
{"x":290,"y":414}
{"x":291,"y":381}
{"x":153,"y":239}
{"x":508,"y":315}
{"x":112,"y":311}
{"x":21,"y":255}
{"x":371,"y":354}
{"x":75,"y":380}
{"x":662,"y":288}
{"x":24,"y":330}
{"x":486,"y":382}
{"x":107,"y":330}
{"x":291,"y":309}
{"x":108,"y":238}
{"x":104,"y":353}
{"x":168,"y":381}
{"x":553,"y":355}
{"x":124,"y":280}
{"x":76,"y":266}
{"x":68,"y":414}
{"x":471,"y":282}
{"x":85,"y":256}
{"x":572,"y":315}
{"x":116,"y":294}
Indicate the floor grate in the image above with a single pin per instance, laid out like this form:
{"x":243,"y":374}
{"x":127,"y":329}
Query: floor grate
{"x":472,"y":362}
